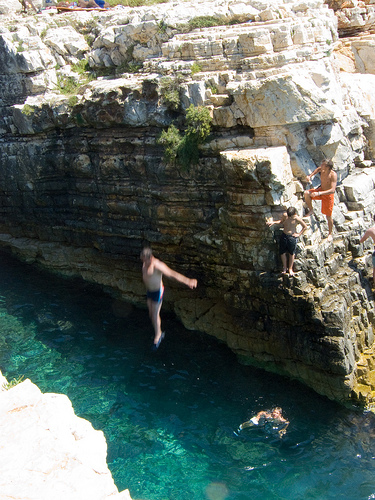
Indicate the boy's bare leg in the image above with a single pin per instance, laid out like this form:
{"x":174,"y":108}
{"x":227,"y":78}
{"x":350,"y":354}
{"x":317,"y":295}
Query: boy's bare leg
{"x":283,"y":260}
{"x":291,"y":262}
{"x":330,"y":227}
{"x":308,"y":201}
{"x":154,"y":312}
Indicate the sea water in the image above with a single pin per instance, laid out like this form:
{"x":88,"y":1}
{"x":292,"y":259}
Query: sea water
{"x":171,"y":418}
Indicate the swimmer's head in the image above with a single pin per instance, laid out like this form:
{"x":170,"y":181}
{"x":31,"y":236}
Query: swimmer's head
{"x":146,"y":254}
{"x":290,"y":211}
{"x":277,"y":412}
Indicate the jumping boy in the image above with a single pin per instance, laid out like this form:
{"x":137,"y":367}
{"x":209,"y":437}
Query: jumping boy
{"x":288,"y":240}
{"x":152,"y":272}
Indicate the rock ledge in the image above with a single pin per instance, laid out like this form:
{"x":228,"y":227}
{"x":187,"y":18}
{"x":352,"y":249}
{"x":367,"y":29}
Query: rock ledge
{"x":48,"y":452}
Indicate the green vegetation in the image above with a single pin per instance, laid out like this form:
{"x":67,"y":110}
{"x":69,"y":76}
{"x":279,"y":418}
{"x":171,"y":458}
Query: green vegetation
{"x":43,"y":33}
{"x":204,"y":22}
{"x":198,"y":120}
{"x":20,"y":47}
{"x":67,"y":85}
{"x":15,"y":381}
{"x":72,"y":101}
{"x":170,"y":92}
{"x":82,"y":67}
{"x":171,"y":140}
{"x":195,"y":68}
{"x":162,"y":27}
{"x":28,"y":110}
{"x":183,"y":149}
{"x":132,"y":67}
{"x":213,"y":88}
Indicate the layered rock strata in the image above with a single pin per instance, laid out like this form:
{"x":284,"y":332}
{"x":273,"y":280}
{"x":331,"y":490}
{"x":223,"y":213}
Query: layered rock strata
{"x":83,"y":183}
{"x":46,"y":450}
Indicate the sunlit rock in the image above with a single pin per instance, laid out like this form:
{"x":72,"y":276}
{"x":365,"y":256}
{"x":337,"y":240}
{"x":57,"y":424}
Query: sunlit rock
{"x":47,"y":450}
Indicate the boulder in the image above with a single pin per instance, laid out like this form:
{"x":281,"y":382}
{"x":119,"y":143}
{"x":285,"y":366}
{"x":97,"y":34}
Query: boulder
{"x":48,"y":452}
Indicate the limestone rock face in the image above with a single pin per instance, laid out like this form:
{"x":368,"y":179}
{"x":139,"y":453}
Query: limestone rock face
{"x":84,"y":183}
{"x":47,"y":450}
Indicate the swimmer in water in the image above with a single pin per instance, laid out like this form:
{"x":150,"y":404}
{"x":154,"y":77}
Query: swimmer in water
{"x":271,"y":421}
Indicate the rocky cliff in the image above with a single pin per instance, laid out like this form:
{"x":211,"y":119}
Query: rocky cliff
{"x":46,"y":448}
{"x":84,"y":182}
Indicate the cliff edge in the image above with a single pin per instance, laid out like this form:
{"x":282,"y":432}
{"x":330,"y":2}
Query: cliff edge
{"x":47,"y":451}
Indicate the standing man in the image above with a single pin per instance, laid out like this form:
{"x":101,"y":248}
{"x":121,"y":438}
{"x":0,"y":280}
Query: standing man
{"x":325,"y":192}
{"x":370,"y":233}
{"x":152,"y":274}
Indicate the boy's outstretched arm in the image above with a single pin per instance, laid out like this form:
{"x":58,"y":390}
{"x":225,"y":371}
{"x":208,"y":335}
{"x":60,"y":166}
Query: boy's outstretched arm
{"x":271,"y":222}
{"x":167,"y":271}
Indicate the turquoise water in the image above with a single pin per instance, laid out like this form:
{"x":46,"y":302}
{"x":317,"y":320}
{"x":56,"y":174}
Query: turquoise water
{"x":169,"y":417}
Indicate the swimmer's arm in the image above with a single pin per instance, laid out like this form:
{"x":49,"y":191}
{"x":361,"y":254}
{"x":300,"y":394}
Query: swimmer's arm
{"x":169,"y":273}
{"x":264,"y":414}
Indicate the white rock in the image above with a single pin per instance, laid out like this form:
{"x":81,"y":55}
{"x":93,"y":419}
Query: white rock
{"x":9,"y":6}
{"x":265,"y":166}
{"x":66,"y":41}
{"x":288,"y":98}
{"x":358,"y":186}
{"x":360,"y":88}
{"x":48,"y":452}
{"x":364,"y":53}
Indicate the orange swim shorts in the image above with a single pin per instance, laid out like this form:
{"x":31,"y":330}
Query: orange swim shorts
{"x":326,"y":199}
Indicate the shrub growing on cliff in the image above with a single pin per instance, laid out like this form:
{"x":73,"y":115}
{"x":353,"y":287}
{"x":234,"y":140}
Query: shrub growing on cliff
{"x":195,"y":68}
{"x":204,"y":22}
{"x":170,"y":92}
{"x":70,"y":84}
{"x":82,"y":67}
{"x":184,"y":148}
{"x":171,"y":140}
{"x":201,"y":22}
{"x":28,"y":110}
{"x":198,"y":120}
{"x":67,"y":85}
